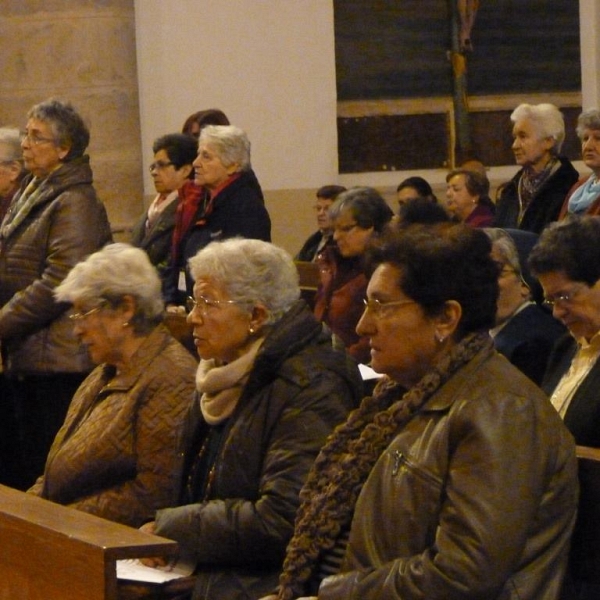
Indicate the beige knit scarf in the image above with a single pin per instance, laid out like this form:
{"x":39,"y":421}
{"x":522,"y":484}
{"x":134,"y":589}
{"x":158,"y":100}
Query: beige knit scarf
{"x":220,"y":386}
{"x":343,"y":465}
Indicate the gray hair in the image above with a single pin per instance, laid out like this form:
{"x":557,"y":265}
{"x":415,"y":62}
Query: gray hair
{"x":546,"y":119}
{"x":68,"y":128}
{"x":250,"y":271}
{"x":506,"y":248}
{"x":10,"y":138}
{"x":230,"y":143}
{"x":366,"y":205}
{"x":588,"y":119}
{"x":116,"y":271}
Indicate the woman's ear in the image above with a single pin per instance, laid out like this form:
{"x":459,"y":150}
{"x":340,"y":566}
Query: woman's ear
{"x":448,"y":319}
{"x":129,"y":307}
{"x":258,"y":317}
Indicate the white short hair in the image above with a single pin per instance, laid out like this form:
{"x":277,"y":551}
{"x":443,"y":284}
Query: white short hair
{"x":547,"y":121}
{"x":116,"y":271}
{"x":230,"y":143}
{"x":250,"y":271}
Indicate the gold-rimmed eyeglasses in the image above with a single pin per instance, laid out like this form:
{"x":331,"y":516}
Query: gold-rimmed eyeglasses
{"x":378,"y":308}
{"x":202,"y":303}
{"x":80,"y":316}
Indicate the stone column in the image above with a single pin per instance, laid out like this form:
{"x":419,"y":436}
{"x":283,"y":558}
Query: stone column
{"x":82,"y":51}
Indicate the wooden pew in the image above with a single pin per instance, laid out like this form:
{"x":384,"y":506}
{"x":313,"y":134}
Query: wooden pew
{"x":585,"y":545}
{"x":310,"y":279}
{"x":51,"y":552}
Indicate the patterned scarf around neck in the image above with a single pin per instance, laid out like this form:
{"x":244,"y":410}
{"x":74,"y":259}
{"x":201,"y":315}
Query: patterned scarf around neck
{"x":329,"y":496}
{"x":531,"y":182}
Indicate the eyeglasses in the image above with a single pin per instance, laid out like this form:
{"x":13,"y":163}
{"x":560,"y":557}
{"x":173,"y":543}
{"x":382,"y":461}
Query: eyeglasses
{"x":202,"y":303}
{"x":563,"y":297}
{"x":378,"y":308}
{"x":159,"y":164}
{"x":80,"y":316}
{"x":34,"y":139}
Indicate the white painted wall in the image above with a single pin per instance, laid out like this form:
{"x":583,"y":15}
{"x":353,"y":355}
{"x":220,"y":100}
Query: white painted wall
{"x":268,"y":64}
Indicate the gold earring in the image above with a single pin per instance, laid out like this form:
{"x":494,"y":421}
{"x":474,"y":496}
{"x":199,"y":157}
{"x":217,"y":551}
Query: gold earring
{"x":250,"y":330}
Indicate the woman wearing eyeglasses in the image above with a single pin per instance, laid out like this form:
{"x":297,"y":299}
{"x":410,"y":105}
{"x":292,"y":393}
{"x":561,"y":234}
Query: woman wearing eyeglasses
{"x":231,"y":204}
{"x":172,"y":175}
{"x":116,"y":455}
{"x":53,"y":222}
{"x":357,"y":215}
{"x":270,"y":389}
{"x":456,"y":479}
{"x":566,"y":260}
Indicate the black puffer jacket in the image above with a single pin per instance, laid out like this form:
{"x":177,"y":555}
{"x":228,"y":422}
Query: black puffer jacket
{"x":66,"y":224}
{"x":298,"y":391}
{"x":545,"y":205}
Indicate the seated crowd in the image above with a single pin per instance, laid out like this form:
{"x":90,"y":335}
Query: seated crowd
{"x":279,"y":472}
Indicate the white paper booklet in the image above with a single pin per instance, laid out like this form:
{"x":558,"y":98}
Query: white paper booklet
{"x":133,"y":570}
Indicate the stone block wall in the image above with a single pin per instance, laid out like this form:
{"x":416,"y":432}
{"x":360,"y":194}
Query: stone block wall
{"x":82,"y":51}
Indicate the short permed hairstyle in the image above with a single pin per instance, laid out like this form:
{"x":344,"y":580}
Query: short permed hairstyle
{"x":116,"y":271}
{"x":181,"y":149}
{"x":547,"y":121}
{"x":202,"y":118}
{"x":250,"y":271}
{"x":571,"y":246}
{"x":366,"y":205}
{"x":476,"y":183}
{"x":419,"y":184}
{"x":442,"y":262}
{"x":588,"y":119}
{"x":230,"y":143}
{"x":68,"y":128}
{"x":330,"y":192}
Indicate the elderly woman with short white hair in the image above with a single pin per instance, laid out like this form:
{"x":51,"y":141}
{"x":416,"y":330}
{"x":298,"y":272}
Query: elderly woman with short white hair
{"x":231,"y":205}
{"x":116,"y":453}
{"x":534,"y":196}
{"x":270,"y":389}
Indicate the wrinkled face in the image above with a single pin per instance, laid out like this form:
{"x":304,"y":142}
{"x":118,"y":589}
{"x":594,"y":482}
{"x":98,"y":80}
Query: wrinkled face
{"x":402,"y":337}
{"x":322,"y":209}
{"x":221,"y":330}
{"x":41,"y":154}
{"x":100,"y":329}
{"x":209,"y":170}
{"x":9,"y":172}
{"x":575,"y":304}
{"x":406,"y":194}
{"x":166,"y":176}
{"x":528,"y":148}
{"x":512,"y":292}
{"x":590,"y":149}
{"x":351,"y":239}
{"x":459,"y":201}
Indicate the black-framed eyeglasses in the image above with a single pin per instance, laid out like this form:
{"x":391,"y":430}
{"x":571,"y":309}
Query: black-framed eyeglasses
{"x":202,"y":303}
{"x":159,"y":164}
{"x":378,"y":308}
{"x":563,"y":297}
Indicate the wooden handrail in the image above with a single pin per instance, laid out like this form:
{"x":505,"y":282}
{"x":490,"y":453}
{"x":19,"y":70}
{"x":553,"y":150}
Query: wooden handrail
{"x":588,"y":453}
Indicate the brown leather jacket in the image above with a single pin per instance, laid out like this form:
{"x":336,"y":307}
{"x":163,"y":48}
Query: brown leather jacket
{"x":475,"y":498}
{"x":66,"y":224}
